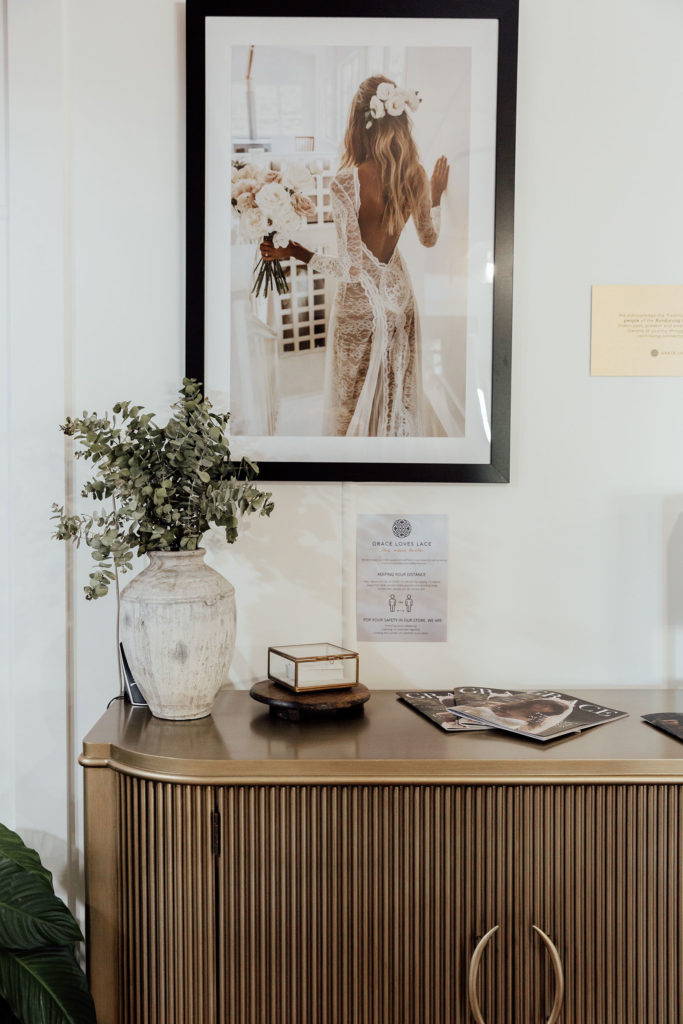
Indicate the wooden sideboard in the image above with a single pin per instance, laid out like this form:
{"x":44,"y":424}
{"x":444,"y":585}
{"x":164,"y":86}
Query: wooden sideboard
{"x":245,"y":870}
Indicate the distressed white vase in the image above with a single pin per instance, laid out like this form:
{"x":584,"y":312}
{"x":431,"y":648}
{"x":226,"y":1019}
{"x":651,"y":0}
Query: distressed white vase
{"x":178,"y":632}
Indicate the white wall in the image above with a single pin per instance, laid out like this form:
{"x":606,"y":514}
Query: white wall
{"x":36,"y":388}
{"x":6,"y":751}
{"x":569,"y":576}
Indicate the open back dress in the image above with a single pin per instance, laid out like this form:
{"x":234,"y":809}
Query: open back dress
{"x":373,"y":375}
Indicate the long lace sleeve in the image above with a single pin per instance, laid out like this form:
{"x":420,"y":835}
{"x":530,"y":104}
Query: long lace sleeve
{"x":427,"y":218}
{"x":346,"y":265}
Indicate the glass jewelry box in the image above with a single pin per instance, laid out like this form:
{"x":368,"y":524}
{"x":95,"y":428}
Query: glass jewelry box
{"x":305,"y":667}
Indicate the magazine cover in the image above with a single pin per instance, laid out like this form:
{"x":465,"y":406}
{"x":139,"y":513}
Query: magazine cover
{"x":670,"y":722}
{"x":437,"y":706}
{"x":536,"y":714}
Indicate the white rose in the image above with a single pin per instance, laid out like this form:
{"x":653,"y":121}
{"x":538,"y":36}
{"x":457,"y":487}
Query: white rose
{"x":286,"y":222}
{"x":272,"y":198}
{"x":299,"y":177}
{"x":244,"y":185}
{"x":395,"y":106}
{"x":280,"y":241}
{"x":253,"y":225}
{"x":385,"y":90}
{"x":245,"y":202}
{"x":376,"y":108}
{"x":411,"y":99}
{"x":251,"y":171}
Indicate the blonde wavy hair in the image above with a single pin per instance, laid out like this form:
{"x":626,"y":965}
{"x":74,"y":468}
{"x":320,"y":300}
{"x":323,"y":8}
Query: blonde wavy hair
{"x":389,"y":143}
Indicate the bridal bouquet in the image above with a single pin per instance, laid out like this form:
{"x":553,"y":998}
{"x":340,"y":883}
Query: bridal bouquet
{"x":271,"y":206}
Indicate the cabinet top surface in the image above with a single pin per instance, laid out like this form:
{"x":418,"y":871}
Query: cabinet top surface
{"x":391,"y":742}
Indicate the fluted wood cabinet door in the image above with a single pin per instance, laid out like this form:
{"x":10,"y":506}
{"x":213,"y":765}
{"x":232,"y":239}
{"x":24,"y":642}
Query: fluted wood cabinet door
{"x":599,"y":871}
{"x":362,"y":904}
{"x":167,"y":904}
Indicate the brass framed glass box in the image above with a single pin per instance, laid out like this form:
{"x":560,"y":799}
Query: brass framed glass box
{"x":305,"y":667}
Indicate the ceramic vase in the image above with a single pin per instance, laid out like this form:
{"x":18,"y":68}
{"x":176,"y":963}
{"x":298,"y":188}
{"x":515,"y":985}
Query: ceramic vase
{"x":178,"y":632}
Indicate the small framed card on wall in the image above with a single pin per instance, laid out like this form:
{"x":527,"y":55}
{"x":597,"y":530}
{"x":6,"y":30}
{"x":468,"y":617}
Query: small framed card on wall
{"x":350,"y":187}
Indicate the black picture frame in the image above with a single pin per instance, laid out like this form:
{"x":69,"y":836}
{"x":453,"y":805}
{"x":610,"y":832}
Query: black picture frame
{"x":506,"y":12}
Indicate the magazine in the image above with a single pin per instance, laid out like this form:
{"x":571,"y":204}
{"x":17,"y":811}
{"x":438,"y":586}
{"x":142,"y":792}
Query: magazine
{"x":668,"y":721}
{"x":535,"y":714}
{"x":437,"y":706}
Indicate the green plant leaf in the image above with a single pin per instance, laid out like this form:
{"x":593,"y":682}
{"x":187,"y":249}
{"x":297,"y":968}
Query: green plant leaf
{"x":13,"y":848}
{"x":31,"y":916}
{"x":167,"y":484}
{"x":6,"y":1015}
{"x":45,"y":987}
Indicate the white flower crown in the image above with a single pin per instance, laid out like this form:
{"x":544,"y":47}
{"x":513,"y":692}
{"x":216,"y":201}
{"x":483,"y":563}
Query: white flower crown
{"x":389,"y":99}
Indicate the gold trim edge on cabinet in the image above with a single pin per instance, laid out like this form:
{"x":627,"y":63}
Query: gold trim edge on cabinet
{"x":325,"y":772}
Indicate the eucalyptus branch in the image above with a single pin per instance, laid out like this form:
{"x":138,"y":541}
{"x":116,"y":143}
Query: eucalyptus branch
{"x":167,"y":484}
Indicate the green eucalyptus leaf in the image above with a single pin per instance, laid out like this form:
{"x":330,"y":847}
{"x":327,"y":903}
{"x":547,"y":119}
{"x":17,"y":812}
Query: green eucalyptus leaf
{"x":166,"y":484}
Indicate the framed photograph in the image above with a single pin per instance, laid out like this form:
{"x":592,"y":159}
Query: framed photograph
{"x":350,"y":190}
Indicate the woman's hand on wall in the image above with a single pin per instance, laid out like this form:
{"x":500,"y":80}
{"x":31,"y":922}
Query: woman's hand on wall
{"x":439,"y":179}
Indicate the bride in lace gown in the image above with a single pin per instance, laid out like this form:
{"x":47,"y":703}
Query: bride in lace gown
{"x":373,"y":374}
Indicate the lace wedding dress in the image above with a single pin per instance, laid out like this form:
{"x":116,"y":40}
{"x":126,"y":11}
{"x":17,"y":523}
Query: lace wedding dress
{"x":373,"y":373}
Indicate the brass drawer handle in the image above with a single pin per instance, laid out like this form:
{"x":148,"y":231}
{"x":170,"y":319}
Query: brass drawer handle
{"x":559,"y":975}
{"x":474,"y":974}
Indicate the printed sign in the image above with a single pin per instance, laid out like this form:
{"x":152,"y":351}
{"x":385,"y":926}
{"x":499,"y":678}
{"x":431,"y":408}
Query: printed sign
{"x":637,"y":331}
{"x":402,"y":578}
